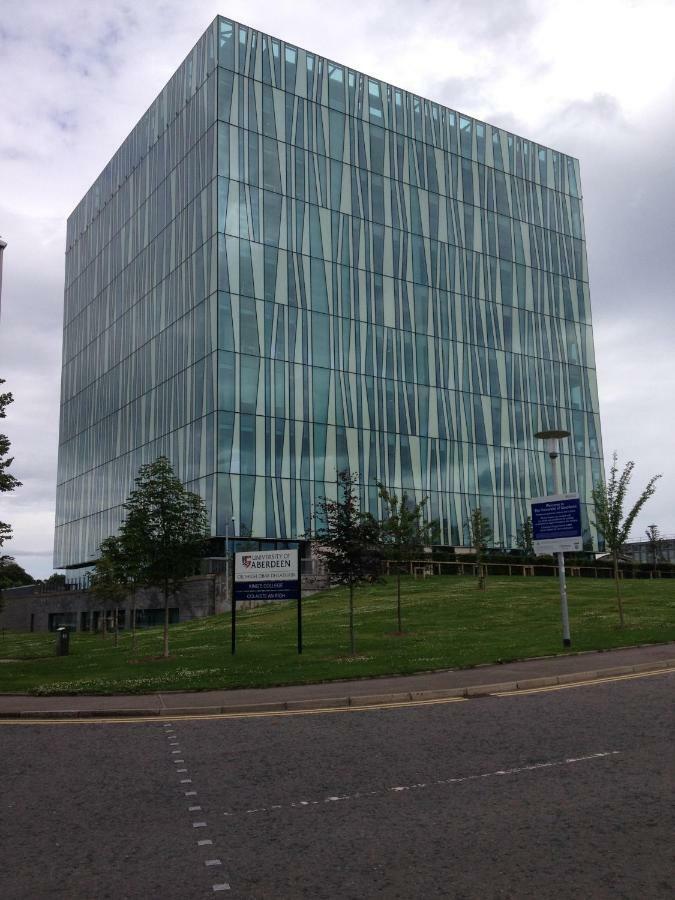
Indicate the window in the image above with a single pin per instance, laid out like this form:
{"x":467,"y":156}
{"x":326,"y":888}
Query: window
{"x":374,"y":100}
{"x":336,"y":87}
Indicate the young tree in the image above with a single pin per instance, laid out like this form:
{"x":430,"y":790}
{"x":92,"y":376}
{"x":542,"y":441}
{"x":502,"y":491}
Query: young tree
{"x":525,"y":538}
{"x":481,"y":532}
{"x":7,"y":481}
{"x":349,"y":542}
{"x":404,"y":534}
{"x":131,"y":567}
{"x":164,"y":531}
{"x":654,"y":544}
{"x":609,"y":498}
{"x":108,"y":582}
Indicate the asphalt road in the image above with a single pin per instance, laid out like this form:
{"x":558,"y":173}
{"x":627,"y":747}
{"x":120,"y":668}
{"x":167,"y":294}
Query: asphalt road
{"x":558,"y":794}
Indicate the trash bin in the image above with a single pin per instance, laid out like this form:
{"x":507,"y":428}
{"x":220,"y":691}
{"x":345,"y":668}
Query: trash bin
{"x":62,"y":641}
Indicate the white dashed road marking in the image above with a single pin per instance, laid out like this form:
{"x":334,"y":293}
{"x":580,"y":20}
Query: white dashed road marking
{"x":398,"y":789}
{"x":205,"y":842}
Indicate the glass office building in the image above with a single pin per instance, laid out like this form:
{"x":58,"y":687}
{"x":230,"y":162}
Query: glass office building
{"x":290,"y":268}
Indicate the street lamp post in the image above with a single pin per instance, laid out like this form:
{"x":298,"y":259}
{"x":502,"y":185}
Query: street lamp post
{"x":551,"y":439}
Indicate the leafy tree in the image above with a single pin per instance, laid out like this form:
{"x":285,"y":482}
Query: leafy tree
{"x":654,"y":544}
{"x":12,"y":574}
{"x":56,"y":580}
{"x":481,"y":532}
{"x":124,"y":563}
{"x":7,"y":481}
{"x":404,"y":534}
{"x":108,"y":582}
{"x":164,"y":531}
{"x":349,"y":542}
{"x":609,"y":498}
{"x":525,"y":538}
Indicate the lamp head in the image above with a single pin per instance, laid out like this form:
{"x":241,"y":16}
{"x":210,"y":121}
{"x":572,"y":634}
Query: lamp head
{"x":550,"y":439}
{"x":552,"y":435}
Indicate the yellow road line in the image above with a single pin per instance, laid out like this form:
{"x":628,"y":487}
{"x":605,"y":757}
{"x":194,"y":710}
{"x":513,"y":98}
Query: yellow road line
{"x":575,"y":684}
{"x":286,"y":713}
{"x":281,"y":713}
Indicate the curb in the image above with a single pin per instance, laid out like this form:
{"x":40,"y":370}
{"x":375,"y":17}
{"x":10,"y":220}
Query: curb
{"x":361,"y":701}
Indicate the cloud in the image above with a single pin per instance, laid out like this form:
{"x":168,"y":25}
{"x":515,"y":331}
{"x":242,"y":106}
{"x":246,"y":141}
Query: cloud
{"x":593,"y":79}
{"x":598,"y":109}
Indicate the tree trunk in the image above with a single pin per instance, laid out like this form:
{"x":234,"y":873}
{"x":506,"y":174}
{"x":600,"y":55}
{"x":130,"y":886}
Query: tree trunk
{"x":117,"y":625}
{"x":618,"y":588}
{"x":352,"y":642}
{"x":166,"y":618}
{"x":398,"y":600}
{"x":104,"y":629}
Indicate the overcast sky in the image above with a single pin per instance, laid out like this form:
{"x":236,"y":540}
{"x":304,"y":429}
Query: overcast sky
{"x":594,"y":79}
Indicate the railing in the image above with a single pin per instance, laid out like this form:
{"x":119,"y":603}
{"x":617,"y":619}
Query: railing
{"x":426,"y":567}
{"x":30,"y":590}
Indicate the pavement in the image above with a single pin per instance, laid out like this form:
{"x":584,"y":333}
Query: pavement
{"x":479,"y":681}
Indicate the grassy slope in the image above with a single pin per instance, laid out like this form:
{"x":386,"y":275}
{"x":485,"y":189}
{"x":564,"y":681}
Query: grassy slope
{"x":448,"y":623}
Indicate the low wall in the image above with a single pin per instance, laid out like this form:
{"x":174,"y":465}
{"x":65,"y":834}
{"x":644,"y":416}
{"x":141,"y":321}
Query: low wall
{"x":198,"y":597}
{"x":202,"y":595}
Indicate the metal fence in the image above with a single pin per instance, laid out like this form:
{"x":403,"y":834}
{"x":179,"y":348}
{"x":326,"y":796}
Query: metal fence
{"x":426,"y":567}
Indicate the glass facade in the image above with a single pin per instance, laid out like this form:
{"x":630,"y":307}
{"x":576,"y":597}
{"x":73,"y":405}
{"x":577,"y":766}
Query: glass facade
{"x":290,"y":268}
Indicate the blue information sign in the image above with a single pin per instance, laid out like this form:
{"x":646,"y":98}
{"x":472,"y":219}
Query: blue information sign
{"x":556,"y":523}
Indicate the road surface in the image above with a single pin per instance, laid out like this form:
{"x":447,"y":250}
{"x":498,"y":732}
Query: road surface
{"x":555,"y":793}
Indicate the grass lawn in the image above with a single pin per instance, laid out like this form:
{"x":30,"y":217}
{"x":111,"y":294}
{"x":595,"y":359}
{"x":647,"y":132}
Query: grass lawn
{"x":447,"y":622}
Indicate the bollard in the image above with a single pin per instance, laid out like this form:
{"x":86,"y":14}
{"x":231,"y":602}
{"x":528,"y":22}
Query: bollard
{"x":62,"y":641}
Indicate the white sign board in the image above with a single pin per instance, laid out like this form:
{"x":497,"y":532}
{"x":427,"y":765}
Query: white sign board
{"x":266,"y":565}
{"x":556,"y":524}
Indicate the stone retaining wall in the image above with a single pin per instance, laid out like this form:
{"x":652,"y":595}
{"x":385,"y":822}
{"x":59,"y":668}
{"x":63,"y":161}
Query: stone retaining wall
{"x":203,"y":595}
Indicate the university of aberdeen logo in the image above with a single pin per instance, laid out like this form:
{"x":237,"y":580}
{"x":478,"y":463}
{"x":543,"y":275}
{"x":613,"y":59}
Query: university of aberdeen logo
{"x":247,"y":562}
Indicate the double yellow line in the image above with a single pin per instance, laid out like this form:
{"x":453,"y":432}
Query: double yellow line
{"x":403,"y":704}
{"x":281,"y":713}
{"x":575,"y":684}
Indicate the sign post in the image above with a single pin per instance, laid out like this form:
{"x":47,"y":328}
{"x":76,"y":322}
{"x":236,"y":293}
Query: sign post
{"x":233,"y":617}
{"x":556,"y":527}
{"x":299,"y":619}
{"x":265,"y":575}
